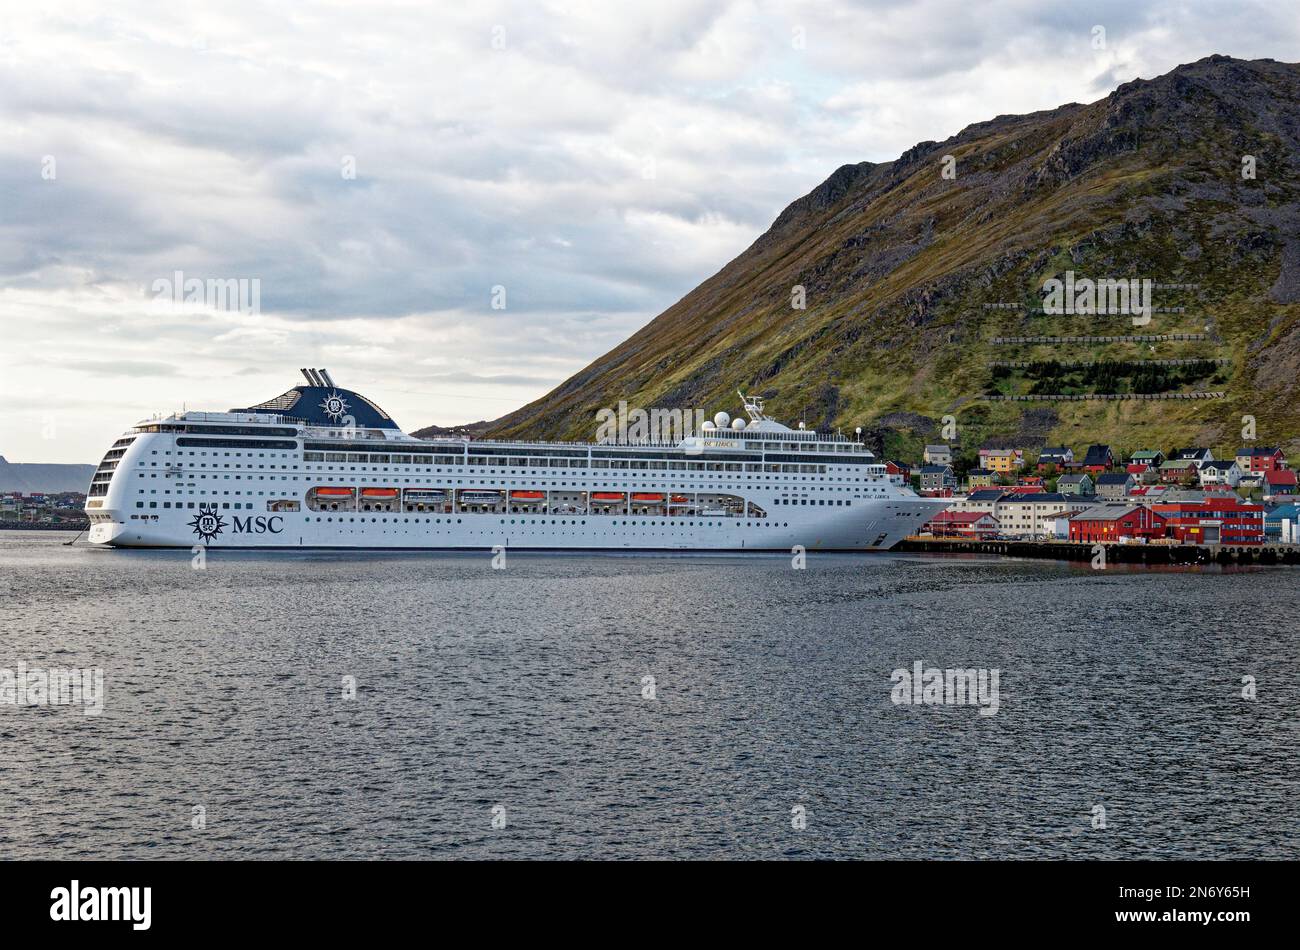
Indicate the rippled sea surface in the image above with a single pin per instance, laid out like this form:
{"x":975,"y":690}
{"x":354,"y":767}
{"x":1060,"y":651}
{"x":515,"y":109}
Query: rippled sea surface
{"x":523,"y":688}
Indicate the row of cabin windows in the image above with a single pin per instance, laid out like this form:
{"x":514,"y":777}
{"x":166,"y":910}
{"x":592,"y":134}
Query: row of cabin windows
{"x":520,"y":462}
{"x":238,"y":505}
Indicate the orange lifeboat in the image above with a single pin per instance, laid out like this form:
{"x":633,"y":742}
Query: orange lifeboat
{"x":606,"y":496}
{"x":379,"y":493}
{"x":646,"y":496}
{"x":527,"y":495}
{"x":335,"y":492}
{"x":680,"y":500}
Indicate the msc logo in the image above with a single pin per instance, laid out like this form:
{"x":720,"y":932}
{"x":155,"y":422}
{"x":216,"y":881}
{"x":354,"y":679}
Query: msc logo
{"x":335,"y":406}
{"x":258,"y":525}
{"x":207,"y":525}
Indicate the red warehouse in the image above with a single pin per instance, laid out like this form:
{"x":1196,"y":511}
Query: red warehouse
{"x":1116,"y":523}
{"x":1220,"y":519}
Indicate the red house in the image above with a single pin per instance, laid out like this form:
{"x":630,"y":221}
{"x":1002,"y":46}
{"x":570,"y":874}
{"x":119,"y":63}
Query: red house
{"x":1115,"y":523}
{"x":1219,"y":519}
{"x":1279,"y":481}
{"x":1181,"y":470}
{"x":1260,"y":459}
{"x":1099,"y":459}
{"x":963,"y":524}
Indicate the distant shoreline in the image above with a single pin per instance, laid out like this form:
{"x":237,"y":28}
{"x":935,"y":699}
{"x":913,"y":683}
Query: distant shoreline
{"x":37,"y":526}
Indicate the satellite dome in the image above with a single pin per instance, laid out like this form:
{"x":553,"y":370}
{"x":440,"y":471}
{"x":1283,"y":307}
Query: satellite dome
{"x":738,"y":424}
{"x":708,"y":427}
{"x":722,"y":420}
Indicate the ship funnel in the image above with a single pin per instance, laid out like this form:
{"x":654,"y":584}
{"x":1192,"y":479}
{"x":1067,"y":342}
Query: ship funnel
{"x":307,"y":376}
{"x":324,"y":374}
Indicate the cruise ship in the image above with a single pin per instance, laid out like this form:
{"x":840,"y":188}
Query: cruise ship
{"x":324,"y":467}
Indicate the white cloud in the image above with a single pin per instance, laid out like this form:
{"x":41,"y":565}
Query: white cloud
{"x":599,"y":165}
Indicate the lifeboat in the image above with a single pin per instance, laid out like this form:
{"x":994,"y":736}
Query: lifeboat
{"x":527,"y":495}
{"x":335,"y":492}
{"x":679,"y":500}
{"x":379,"y":493}
{"x":480,"y":495}
{"x":646,"y":496}
{"x":423,"y":493}
{"x":607,"y":496}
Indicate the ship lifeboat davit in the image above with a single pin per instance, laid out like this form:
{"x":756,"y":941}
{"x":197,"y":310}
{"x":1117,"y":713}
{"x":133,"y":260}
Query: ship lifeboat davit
{"x":527,"y":495}
{"x":379,"y":493}
{"x":335,"y":492}
{"x":648,"y":497}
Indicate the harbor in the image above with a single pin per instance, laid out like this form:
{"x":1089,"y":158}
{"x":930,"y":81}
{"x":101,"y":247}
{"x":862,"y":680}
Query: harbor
{"x":1114,"y":552}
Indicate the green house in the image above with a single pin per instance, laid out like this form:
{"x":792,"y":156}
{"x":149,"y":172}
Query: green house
{"x":1080,"y":484}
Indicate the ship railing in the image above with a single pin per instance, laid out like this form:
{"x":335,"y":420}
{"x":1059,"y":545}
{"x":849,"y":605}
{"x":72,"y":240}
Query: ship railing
{"x":342,"y":432}
{"x":269,"y":418}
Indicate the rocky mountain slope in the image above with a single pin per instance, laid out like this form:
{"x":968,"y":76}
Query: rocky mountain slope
{"x":902,"y":268}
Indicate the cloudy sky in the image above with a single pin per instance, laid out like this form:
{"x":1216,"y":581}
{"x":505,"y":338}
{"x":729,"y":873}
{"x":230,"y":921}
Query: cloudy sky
{"x":380,"y":168}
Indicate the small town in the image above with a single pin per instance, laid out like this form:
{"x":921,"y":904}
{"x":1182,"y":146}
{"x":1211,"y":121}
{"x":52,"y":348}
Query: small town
{"x":42,"y":510}
{"x":1187,"y":497}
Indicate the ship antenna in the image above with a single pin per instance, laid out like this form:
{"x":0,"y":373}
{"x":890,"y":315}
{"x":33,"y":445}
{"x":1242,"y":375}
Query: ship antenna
{"x":753,"y":405}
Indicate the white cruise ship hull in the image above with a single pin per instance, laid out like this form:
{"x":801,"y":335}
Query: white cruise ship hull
{"x":873,"y":526}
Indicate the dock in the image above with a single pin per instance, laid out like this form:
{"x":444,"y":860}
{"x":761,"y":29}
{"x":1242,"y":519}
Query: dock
{"x":1267,"y":553}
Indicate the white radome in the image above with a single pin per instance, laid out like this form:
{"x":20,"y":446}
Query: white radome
{"x":708,"y":426}
{"x":722,"y":420}
{"x":738,"y":424}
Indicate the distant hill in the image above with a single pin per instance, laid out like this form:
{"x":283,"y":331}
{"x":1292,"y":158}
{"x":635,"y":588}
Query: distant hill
{"x":921,"y":289}
{"x":28,"y":477}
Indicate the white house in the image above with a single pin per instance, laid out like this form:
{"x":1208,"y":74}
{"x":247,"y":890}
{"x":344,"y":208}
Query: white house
{"x":1027,"y":516}
{"x":1224,"y":474}
{"x":937,"y":455}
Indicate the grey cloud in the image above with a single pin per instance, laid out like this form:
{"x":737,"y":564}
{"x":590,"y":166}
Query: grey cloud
{"x":214,"y":146}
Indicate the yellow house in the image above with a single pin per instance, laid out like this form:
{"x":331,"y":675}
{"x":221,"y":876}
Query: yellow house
{"x":1002,"y":461}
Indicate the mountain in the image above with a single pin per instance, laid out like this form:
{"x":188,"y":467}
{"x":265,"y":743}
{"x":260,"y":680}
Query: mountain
{"x":473,"y":430}
{"x":51,"y":479}
{"x":902,"y":266}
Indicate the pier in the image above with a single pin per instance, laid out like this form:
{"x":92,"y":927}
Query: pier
{"x":1267,"y":553}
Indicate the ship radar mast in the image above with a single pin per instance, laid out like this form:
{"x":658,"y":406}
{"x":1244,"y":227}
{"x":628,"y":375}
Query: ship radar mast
{"x":753,"y":405}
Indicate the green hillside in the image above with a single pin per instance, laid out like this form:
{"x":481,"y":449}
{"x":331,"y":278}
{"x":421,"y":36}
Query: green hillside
{"x":902,"y":268}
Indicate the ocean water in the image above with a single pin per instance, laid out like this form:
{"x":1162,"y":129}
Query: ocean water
{"x":518,"y":695}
